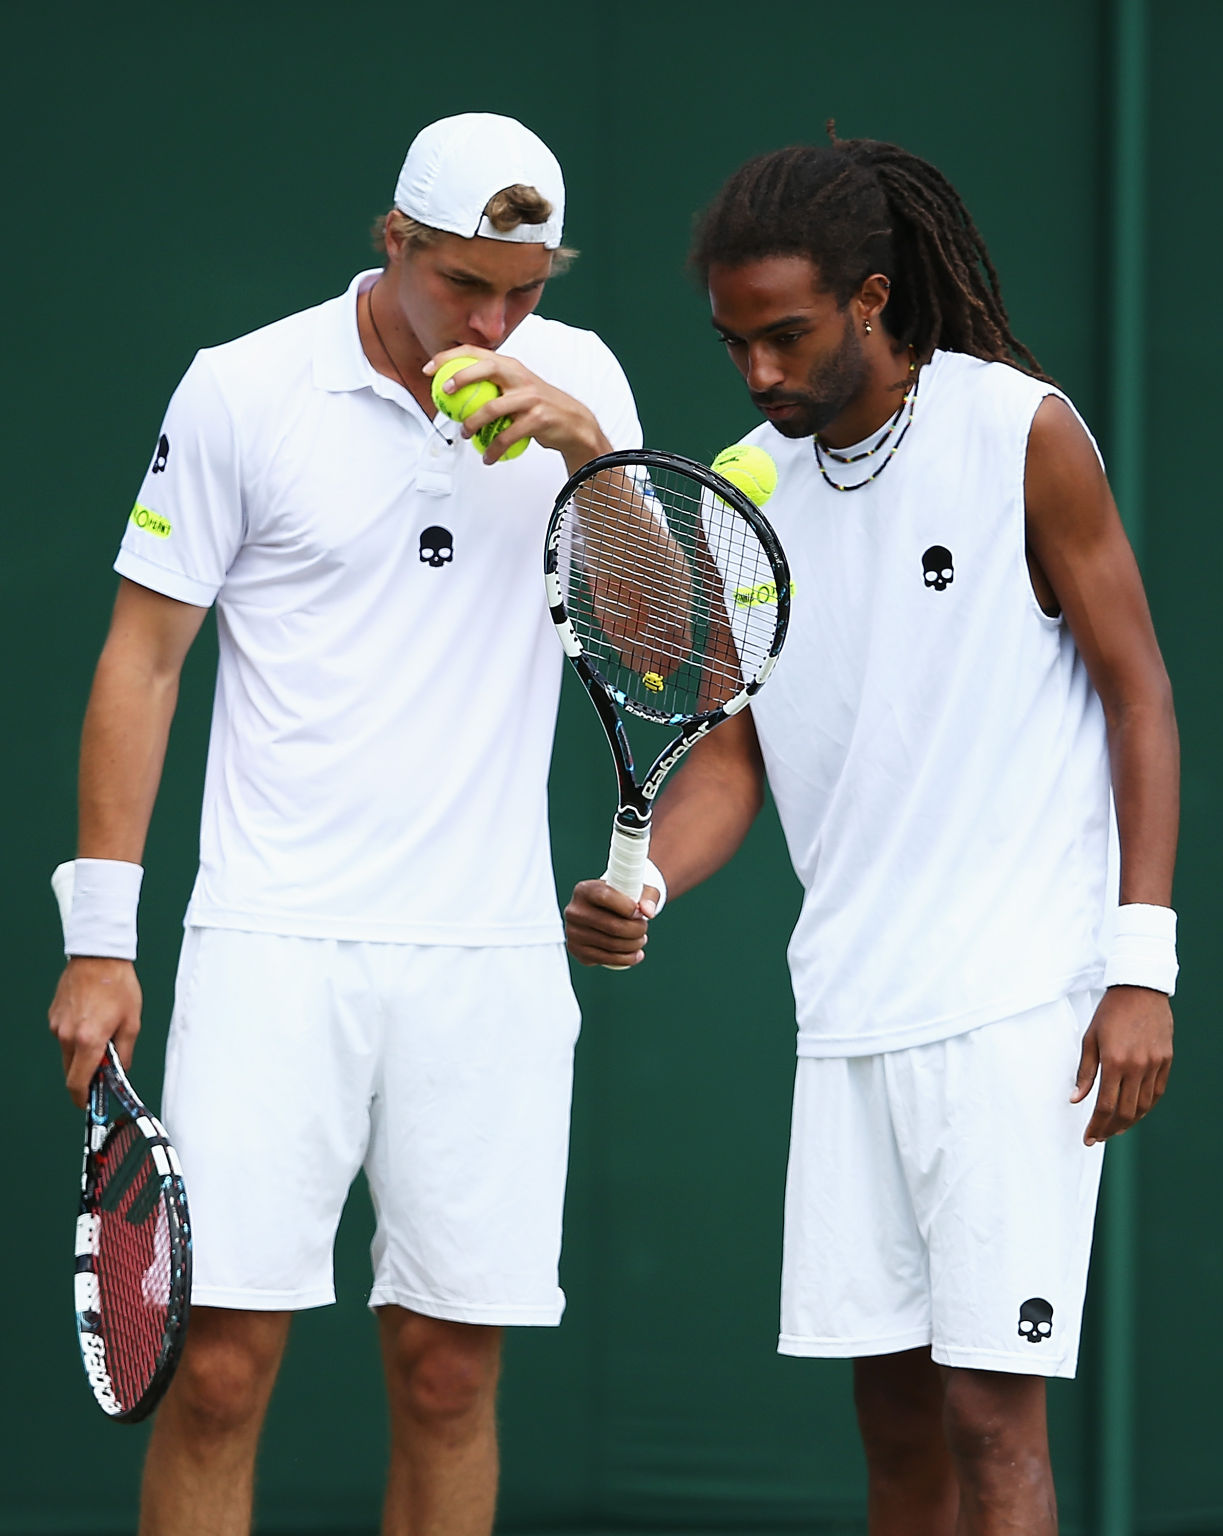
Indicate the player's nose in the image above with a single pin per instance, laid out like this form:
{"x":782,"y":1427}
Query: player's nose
{"x":763,"y":372}
{"x":489,"y":323}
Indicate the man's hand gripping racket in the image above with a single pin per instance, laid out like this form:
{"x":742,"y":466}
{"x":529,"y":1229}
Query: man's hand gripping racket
{"x":132,"y":1277}
{"x":671,"y":595}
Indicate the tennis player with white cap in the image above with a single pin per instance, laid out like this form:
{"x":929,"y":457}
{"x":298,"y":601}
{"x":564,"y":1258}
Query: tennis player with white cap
{"x":372,"y":973}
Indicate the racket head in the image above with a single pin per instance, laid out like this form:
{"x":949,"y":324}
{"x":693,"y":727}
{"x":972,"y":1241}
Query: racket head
{"x":676,"y":624}
{"x":133,"y":1250}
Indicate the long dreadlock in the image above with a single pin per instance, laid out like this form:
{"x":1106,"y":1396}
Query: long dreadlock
{"x":858,"y":206}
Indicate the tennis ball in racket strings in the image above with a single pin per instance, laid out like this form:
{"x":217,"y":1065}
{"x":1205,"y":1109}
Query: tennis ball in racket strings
{"x":468,"y":399}
{"x":751,"y":469}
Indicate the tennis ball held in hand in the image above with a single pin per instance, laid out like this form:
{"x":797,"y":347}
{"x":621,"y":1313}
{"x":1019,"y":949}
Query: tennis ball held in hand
{"x":750,"y":469}
{"x":468,"y":399}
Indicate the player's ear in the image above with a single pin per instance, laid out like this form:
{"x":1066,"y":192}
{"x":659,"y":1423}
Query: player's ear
{"x":394,"y":239}
{"x":873,"y":296}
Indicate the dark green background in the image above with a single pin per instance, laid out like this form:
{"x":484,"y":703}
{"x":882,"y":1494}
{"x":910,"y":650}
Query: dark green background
{"x":178,"y":175}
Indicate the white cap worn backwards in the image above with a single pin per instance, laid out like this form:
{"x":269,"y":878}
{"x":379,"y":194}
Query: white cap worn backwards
{"x":456,"y":165}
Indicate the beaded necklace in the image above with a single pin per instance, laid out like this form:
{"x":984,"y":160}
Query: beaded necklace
{"x":909,"y":404}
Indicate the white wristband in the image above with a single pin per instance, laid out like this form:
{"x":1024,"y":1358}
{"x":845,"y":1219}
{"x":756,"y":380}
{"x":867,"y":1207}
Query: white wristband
{"x":1144,"y":949}
{"x":652,"y":875}
{"x":97,"y":906}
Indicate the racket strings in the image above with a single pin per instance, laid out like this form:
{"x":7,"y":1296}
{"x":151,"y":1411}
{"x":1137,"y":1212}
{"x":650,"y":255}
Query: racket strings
{"x":655,"y":571}
{"x":133,"y":1261}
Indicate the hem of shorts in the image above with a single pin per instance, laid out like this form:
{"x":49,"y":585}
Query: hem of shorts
{"x":146,"y":573}
{"x":933,"y":1030}
{"x":850,"y":1349}
{"x":346,"y":930}
{"x":236,"y":1299}
{"x":490,"y":1314}
{"x":1007,"y":1360}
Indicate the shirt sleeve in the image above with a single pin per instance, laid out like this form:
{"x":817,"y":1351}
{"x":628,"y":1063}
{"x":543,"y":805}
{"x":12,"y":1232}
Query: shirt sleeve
{"x":188,"y":523}
{"x":615,"y":407}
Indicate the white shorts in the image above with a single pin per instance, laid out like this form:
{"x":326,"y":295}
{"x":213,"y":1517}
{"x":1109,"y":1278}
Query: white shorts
{"x":942,"y":1195}
{"x":445,"y":1073}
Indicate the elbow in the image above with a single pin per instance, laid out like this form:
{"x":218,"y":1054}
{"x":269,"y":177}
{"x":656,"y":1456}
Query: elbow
{"x":749,"y":796}
{"x":130,"y":668}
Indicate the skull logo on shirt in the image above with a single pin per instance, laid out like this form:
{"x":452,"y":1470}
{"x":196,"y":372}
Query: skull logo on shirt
{"x":938,"y":568}
{"x":436,"y":547}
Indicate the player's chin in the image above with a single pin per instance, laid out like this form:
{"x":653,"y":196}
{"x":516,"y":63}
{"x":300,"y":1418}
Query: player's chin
{"x":792,"y":418}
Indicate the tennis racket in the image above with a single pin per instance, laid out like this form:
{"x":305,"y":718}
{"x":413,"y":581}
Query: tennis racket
{"x":133,"y":1250}
{"x":671,"y":595}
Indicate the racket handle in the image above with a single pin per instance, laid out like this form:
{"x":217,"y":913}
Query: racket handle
{"x":630,"y":847}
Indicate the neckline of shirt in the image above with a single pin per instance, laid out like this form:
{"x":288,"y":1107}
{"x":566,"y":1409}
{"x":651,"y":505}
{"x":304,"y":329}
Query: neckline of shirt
{"x":928,"y":370}
{"x":342,"y":366}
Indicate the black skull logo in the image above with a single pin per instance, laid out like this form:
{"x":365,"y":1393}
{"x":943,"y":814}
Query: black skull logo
{"x":162,"y":455}
{"x":1035,"y":1320}
{"x":939,"y":571}
{"x":436,"y":547}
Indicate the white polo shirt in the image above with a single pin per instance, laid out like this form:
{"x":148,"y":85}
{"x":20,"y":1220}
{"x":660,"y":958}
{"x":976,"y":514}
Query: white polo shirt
{"x":388,"y":674}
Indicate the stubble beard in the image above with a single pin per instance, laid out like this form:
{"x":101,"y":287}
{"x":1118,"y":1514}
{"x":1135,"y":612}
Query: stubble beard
{"x":831,"y":387}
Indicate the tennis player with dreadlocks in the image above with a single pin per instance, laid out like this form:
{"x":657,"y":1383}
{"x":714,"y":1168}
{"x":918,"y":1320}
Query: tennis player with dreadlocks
{"x":971,"y":657}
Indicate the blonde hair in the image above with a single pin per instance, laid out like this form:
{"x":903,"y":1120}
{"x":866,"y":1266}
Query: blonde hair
{"x":505,"y":210}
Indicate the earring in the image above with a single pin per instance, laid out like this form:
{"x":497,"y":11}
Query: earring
{"x":868,"y":328}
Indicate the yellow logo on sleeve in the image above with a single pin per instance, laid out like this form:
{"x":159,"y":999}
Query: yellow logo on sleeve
{"x":755,"y":597}
{"x":150,"y":522}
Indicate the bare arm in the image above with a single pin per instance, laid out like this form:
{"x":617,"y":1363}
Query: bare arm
{"x":1081,"y":558}
{"x":637,"y":575}
{"x":123,"y":745}
{"x":701,"y":819}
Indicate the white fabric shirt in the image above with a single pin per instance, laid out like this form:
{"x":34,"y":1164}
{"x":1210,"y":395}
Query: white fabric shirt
{"x":935,"y":748}
{"x":388,"y":674}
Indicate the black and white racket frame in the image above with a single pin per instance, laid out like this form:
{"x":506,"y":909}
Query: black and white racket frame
{"x":110,"y":1081}
{"x":630,"y":841}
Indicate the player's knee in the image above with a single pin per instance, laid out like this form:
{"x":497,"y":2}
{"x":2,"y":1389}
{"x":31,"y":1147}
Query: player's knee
{"x":223,"y":1385}
{"x":992,"y":1418}
{"x":895,"y":1441}
{"x":899,"y":1414}
{"x":447,"y":1376}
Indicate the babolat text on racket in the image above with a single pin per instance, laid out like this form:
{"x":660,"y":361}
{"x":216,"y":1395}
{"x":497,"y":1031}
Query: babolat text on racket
{"x":133,"y":1250}
{"x":671,"y":595}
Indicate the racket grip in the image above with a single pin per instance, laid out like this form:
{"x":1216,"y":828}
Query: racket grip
{"x":630,"y":847}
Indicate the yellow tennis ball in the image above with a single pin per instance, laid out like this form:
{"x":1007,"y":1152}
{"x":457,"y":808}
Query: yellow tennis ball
{"x":751,"y":469}
{"x":486,"y":434}
{"x":653,"y":681}
{"x":470,"y":397}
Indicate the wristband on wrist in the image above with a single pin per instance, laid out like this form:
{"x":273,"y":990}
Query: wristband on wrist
{"x":97,"y":906}
{"x":1143,"y":952}
{"x":652,"y":875}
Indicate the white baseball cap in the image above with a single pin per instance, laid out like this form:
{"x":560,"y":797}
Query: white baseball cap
{"x":458,"y":163}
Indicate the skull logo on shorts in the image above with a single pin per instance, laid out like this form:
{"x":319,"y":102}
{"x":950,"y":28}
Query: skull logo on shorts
{"x":1035,"y":1320}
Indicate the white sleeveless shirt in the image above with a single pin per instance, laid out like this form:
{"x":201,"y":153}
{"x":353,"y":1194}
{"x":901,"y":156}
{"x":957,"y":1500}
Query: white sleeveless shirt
{"x":933,"y":743}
